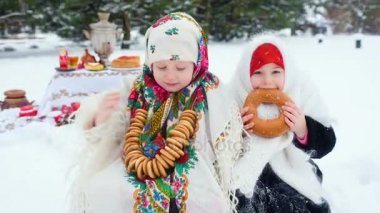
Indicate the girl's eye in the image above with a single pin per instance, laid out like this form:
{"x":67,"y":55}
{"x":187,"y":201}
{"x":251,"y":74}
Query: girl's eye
{"x":276,"y":71}
{"x":180,"y":68}
{"x":161,"y":68}
{"x":257,"y":72}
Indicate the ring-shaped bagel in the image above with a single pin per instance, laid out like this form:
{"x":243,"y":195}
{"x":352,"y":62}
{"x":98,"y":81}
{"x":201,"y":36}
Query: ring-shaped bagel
{"x":272,"y":127}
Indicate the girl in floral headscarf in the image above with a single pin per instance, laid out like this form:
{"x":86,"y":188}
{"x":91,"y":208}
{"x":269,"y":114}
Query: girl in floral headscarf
{"x":174,"y":122}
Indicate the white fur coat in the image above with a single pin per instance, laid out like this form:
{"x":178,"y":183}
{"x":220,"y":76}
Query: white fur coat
{"x":100,"y":184}
{"x":287,"y":161}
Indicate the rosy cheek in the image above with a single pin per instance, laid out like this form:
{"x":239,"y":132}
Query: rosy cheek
{"x":253,"y":82}
{"x":281,"y":84}
{"x":281,"y":87}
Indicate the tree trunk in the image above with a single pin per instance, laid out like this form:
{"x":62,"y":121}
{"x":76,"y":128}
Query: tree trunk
{"x":127,"y":32}
{"x":208,"y":16}
{"x":22,"y":6}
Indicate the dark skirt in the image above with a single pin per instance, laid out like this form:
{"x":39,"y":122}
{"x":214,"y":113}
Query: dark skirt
{"x":272,"y":195}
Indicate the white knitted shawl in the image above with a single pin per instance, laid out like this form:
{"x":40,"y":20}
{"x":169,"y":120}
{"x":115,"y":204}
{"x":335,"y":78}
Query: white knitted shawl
{"x":287,"y":161}
{"x":103,"y":143}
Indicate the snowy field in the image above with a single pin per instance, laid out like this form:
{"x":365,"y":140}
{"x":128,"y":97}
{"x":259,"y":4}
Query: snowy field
{"x":33,"y":165}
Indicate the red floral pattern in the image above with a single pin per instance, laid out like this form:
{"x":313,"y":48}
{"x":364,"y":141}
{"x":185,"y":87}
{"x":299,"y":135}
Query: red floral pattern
{"x":162,"y":20}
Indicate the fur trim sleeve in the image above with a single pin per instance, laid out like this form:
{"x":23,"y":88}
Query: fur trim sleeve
{"x":101,"y":144}
{"x":85,"y":115}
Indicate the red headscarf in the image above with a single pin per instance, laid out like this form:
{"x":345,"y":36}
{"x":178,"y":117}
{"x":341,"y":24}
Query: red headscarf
{"x":265,"y":54}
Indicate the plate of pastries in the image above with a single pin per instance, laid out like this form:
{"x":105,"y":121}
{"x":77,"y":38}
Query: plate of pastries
{"x":94,"y":66}
{"x":126,"y":63}
{"x":89,"y":62}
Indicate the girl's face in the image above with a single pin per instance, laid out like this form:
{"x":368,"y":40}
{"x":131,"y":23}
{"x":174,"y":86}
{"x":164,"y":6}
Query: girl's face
{"x":173,"y":75}
{"x":269,"y":76}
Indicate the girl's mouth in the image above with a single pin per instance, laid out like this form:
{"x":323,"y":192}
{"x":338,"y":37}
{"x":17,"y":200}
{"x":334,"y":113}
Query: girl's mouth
{"x":171,"y":84}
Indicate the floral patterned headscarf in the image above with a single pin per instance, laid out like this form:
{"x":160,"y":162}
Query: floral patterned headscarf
{"x":176,"y":36}
{"x":147,"y":94}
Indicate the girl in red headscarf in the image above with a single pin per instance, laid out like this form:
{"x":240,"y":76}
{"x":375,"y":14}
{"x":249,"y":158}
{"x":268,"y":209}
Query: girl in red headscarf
{"x":277,"y":174}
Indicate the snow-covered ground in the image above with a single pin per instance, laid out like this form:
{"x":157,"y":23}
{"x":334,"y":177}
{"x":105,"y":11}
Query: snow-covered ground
{"x":37,"y":45}
{"x":33,"y":165}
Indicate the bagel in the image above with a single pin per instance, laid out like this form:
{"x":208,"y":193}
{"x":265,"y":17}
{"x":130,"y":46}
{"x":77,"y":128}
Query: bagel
{"x":138,"y":111}
{"x":161,"y":169}
{"x":183,"y":129}
{"x":189,"y":113}
{"x":130,"y":148}
{"x":174,"y":142}
{"x":138,"y":125}
{"x":184,"y":142}
{"x":150,"y":170}
{"x":140,"y":118}
{"x":131,"y":167}
{"x":176,"y":149}
{"x":132,"y":134}
{"x":177,"y":133}
{"x":189,"y":119}
{"x":172,"y":152}
{"x":155,"y":168}
{"x":162,"y":161}
{"x":188,"y":126}
{"x":145,"y":167}
{"x":134,"y":129}
{"x":132,"y":140}
{"x":140,"y":160}
{"x":272,"y":127}
{"x":141,"y":115}
{"x":128,"y":157}
{"x":168,"y":161}
{"x":140,"y":172}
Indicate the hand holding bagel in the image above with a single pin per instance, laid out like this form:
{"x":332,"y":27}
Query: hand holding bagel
{"x":247,"y":117}
{"x":262,"y":127}
{"x":291,"y":116}
{"x":295,"y":119}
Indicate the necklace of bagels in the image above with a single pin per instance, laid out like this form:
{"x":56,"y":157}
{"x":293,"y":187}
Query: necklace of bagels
{"x":137,"y":162}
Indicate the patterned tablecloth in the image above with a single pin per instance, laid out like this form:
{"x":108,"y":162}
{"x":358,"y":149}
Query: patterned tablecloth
{"x":68,"y":87}
{"x":64,"y":89}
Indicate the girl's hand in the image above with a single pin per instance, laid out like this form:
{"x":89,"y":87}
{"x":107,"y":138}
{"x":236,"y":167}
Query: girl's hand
{"x":295,"y":119}
{"x":108,"y":105}
{"x":246,"y":117}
